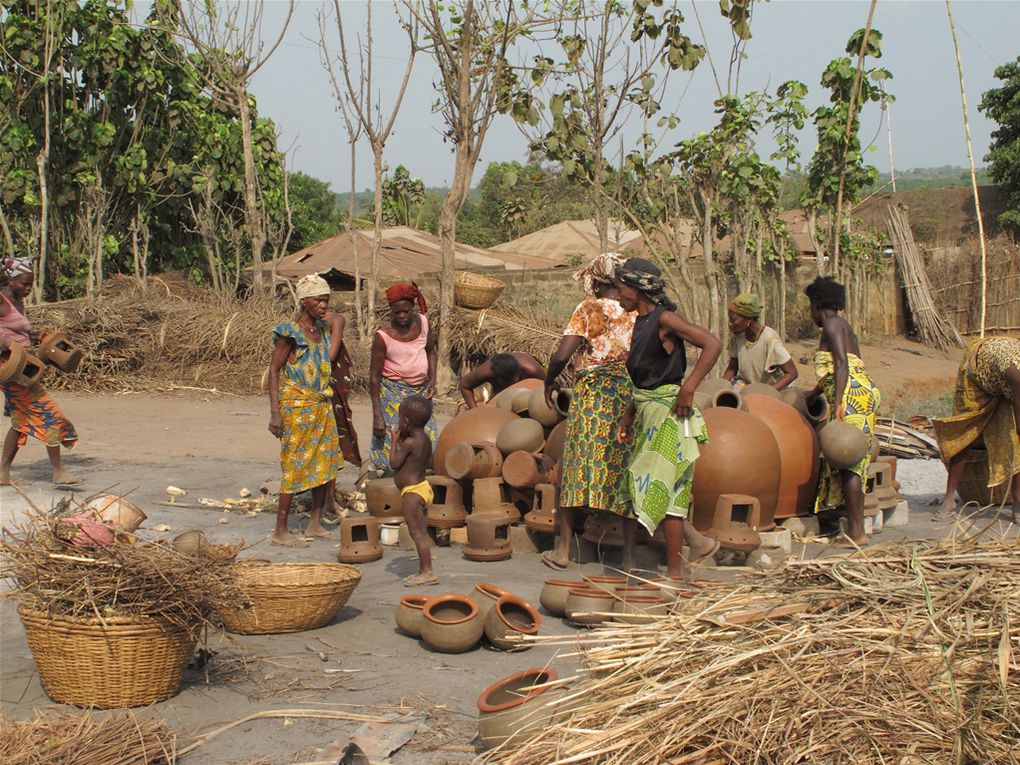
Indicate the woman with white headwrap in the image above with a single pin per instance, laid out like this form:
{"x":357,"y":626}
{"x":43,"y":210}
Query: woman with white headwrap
{"x":300,"y":395}
{"x":31,"y":410}
{"x":597,"y":337}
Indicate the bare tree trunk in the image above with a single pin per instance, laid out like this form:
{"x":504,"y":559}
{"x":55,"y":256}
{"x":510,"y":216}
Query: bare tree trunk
{"x":812,"y":230}
{"x":42,"y":168}
{"x":711,"y":273}
{"x":782,"y":296}
{"x":252,"y":214}
{"x":5,"y":228}
{"x":362,"y":326}
{"x":373,"y":281}
{"x":447,"y":244}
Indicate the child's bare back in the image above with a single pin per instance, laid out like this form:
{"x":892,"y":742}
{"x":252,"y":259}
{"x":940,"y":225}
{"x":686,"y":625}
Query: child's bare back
{"x":410,"y":453}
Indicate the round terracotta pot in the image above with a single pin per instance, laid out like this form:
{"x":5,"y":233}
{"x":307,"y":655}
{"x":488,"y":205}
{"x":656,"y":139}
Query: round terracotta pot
{"x":539,"y":410}
{"x":409,"y":614}
{"x":474,"y":426}
{"x":588,"y":606}
{"x":605,"y":583}
{"x":520,"y":434}
{"x":485,"y":596}
{"x":843,"y":445}
{"x":640,"y":610}
{"x":816,"y":410}
{"x":512,"y":709}
{"x":510,"y":618}
{"x":524,"y":470}
{"x":798,"y":454}
{"x":554,"y":595}
{"x":554,"y":442}
{"x":504,"y":399}
{"x":730,"y":399}
{"x":741,"y":457}
{"x":636,"y":591}
{"x":519,"y":403}
{"x":450,"y":623}
{"x":702,"y":400}
{"x":712,"y":385}
{"x":759,"y":389}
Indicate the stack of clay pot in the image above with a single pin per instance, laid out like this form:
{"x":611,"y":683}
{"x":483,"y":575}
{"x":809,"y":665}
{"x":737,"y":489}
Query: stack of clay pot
{"x":455,"y":623}
{"x":598,"y":599}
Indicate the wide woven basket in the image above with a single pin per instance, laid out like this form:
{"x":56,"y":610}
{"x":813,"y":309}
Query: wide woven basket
{"x":974,"y":481}
{"x":475,"y":290}
{"x":120,"y":662}
{"x":289,"y":597}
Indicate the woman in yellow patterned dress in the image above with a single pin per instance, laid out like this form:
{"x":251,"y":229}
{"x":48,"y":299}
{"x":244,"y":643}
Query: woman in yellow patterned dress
{"x":852,"y":396}
{"x":986,"y":406}
{"x":299,"y":405}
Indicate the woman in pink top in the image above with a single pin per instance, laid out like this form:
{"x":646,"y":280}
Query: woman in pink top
{"x":403,"y":364}
{"x":31,"y":410}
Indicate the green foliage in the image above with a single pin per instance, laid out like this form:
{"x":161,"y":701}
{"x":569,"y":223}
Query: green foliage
{"x":314,"y":213}
{"x":1002,"y":104}
{"x":402,"y":194}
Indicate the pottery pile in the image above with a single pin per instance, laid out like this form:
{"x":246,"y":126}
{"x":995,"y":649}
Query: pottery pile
{"x":595,"y":600}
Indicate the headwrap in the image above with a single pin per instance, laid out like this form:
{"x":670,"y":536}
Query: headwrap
{"x":747,"y":305}
{"x":16,"y":266}
{"x":310,"y":286}
{"x":406,"y":291}
{"x":601,"y":268}
{"x":645,"y":276}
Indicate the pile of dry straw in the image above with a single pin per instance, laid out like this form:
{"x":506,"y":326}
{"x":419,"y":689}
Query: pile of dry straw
{"x":67,"y":739}
{"x":904,"y":654}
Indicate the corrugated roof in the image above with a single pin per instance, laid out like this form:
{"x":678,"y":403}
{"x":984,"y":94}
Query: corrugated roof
{"x":555,"y":244}
{"x":406,"y":252}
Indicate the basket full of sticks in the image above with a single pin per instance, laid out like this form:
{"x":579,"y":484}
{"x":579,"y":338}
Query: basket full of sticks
{"x":288,"y":597}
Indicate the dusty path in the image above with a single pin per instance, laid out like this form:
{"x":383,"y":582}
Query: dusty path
{"x":213,"y":446}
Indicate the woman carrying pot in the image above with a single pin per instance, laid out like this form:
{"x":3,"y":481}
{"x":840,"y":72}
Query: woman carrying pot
{"x":300,"y":414}
{"x":757,"y":353}
{"x":403,"y":364}
{"x":31,"y":410}
{"x":852,"y":396}
{"x":597,"y":337}
{"x":662,"y":420}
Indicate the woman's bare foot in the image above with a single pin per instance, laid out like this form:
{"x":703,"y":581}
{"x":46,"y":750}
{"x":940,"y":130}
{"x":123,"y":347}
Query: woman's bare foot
{"x":64,"y":477}
{"x":555,"y":561}
{"x":421,"y":579}
{"x":704,"y":549}
{"x":289,"y":540}
{"x":318,"y":532}
{"x":854,"y":543}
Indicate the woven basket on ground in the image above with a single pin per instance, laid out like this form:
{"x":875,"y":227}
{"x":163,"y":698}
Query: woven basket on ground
{"x":474,"y":290}
{"x":289,"y":597}
{"x":123,"y":661}
{"x":974,"y":481}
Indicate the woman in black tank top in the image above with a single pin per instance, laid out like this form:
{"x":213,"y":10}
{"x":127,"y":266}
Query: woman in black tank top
{"x":662,"y":419}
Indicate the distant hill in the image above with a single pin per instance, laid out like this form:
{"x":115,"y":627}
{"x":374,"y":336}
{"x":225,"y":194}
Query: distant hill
{"x":938,"y":216}
{"x":945,"y":177}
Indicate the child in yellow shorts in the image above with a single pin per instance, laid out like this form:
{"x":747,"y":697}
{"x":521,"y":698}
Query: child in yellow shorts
{"x":410,"y":453}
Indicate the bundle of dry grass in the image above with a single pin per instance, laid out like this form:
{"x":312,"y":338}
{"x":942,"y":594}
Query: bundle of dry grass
{"x":906,"y":654}
{"x":127,"y":578}
{"x":68,"y":739}
{"x":501,"y":329}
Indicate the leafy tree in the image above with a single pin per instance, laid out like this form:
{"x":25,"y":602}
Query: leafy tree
{"x":314,"y":213}
{"x":1002,"y":104}
{"x":400,"y":194}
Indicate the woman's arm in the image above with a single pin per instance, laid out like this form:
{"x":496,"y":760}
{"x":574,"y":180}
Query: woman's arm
{"x":711,"y":347}
{"x":284,"y":345}
{"x":467,"y":384}
{"x":731,"y":369}
{"x":336,"y":333}
{"x":430,"y":354}
{"x":790,"y":374}
{"x":375,"y":366}
{"x":558,"y":362}
{"x":835,"y":341}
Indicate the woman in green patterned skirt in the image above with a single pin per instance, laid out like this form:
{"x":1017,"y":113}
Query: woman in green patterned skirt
{"x":663,"y":422}
{"x":597,"y":337}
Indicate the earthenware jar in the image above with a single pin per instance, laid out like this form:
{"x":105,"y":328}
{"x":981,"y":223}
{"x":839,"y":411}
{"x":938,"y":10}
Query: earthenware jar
{"x":519,"y":403}
{"x":604,"y":583}
{"x":516,"y":707}
{"x":554,"y":442}
{"x":510,"y":618}
{"x":485,"y":596}
{"x":843,"y":445}
{"x":382,"y":497}
{"x":56,"y":350}
{"x":505,"y":398}
{"x":524,"y":470}
{"x":410,"y":613}
{"x":728,"y":398}
{"x":520,"y":434}
{"x":540,"y":410}
{"x":471,"y":461}
{"x":450,"y":623}
{"x":474,"y":426}
{"x":702,"y":400}
{"x":640,"y":610}
{"x":816,"y":410}
{"x":741,"y":457}
{"x":554,"y":594}
{"x":712,"y":385}
{"x":588,"y":607}
{"x":798,"y":454}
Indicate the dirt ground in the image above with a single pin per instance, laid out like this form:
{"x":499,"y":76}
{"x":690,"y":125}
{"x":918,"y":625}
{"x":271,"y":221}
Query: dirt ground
{"x":212,"y":446}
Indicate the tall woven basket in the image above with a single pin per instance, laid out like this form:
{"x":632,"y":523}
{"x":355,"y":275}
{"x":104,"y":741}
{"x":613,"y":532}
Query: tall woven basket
{"x":289,"y":597}
{"x":974,"y":481}
{"x":475,"y":290}
{"x":120,"y":662}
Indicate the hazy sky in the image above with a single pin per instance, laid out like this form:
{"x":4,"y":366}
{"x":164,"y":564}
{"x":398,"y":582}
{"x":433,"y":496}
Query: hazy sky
{"x":791,"y":40}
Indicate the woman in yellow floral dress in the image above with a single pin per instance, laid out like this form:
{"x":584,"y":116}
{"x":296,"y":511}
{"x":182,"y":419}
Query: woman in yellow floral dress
{"x":852,"y":396}
{"x":299,"y":399}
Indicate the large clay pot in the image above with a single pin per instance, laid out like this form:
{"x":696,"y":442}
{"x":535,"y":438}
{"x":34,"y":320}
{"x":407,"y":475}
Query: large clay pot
{"x":702,"y":400}
{"x":524,"y":470}
{"x":843,"y":445}
{"x":450,"y":623}
{"x":554,"y":595}
{"x":474,"y":426}
{"x":712,"y":385}
{"x":605,"y":583}
{"x":510,"y":618}
{"x":520,"y":434}
{"x":798,"y":454}
{"x":741,"y":457}
{"x":795,"y":397}
{"x":759,"y":389}
{"x":505,"y":398}
{"x":485,"y":596}
{"x":729,"y":398}
{"x":817,"y":410}
{"x":554,"y":442}
{"x":589,"y":606}
{"x":382,"y":497}
{"x":409,"y":613}
{"x":539,"y":410}
{"x":512,"y":710}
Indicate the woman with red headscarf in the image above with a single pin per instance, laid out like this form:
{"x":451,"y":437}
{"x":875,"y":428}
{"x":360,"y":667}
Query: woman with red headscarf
{"x":403,"y":364}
